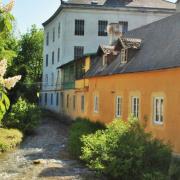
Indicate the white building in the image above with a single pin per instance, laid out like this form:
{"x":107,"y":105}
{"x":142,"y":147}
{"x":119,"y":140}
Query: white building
{"x":79,"y":26}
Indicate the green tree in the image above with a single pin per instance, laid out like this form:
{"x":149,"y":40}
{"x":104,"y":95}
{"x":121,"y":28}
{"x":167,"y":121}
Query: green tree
{"x":28,"y":63}
{"x":6,"y":20}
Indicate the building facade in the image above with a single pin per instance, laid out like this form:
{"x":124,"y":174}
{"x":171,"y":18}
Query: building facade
{"x":138,"y":76}
{"x":78,"y":27}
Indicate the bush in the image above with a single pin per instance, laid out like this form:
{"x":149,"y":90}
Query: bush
{"x":9,"y":139}
{"x":124,"y":151}
{"x":79,"y":128}
{"x":23,"y":116}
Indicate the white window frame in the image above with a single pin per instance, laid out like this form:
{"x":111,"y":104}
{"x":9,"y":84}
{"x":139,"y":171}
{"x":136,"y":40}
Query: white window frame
{"x":118,"y":103}
{"x":124,"y":53}
{"x":135,"y":106}
{"x":158,"y":110}
{"x":96,"y":104}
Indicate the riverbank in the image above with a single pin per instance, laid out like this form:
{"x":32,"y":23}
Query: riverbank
{"x":48,"y":147}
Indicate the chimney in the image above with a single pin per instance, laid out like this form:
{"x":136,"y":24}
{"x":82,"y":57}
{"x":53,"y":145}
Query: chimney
{"x":178,"y":5}
{"x":114,"y":32}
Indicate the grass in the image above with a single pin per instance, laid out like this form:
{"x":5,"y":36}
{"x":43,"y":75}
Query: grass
{"x":9,"y":139}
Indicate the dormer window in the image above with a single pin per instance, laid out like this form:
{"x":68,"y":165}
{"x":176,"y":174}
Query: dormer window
{"x":124,"y":55}
{"x":105,"y":60}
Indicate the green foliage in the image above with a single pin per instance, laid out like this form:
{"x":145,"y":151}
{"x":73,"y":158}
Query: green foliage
{"x":23,"y":116}
{"x":28,"y":63}
{"x":125,"y":151}
{"x":174,"y":171}
{"x":9,"y":139}
{"x":79,"y":128}
{"x":4,"y":104}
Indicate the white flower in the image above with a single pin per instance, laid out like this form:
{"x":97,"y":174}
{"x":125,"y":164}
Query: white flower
{"x":3,"y":67}
{"x":11,"y":82}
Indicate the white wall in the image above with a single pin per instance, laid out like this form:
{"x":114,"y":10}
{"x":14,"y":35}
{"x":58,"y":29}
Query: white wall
{"x":90,"y":40}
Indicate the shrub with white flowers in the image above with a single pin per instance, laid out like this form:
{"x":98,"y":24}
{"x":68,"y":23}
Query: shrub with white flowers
{"x":5,"y":84}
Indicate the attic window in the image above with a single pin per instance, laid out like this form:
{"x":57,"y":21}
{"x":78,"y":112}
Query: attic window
{"x":124,"y":55}
{"x":105,"y":60}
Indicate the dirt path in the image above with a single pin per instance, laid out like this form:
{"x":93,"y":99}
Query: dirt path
{"x":48,"y":147}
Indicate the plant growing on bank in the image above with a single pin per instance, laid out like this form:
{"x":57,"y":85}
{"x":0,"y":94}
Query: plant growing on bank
{"x":125,"y":151}
{"x":5,"y":84}
{"x":9,"y":139}
{"x":80,"y":127}
{"x":23,"y":116}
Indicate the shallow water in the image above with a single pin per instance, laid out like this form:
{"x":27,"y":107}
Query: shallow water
{"x":48,"y":146}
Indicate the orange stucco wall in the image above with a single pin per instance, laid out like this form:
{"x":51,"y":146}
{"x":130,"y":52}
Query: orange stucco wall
{"x":144,"y":85}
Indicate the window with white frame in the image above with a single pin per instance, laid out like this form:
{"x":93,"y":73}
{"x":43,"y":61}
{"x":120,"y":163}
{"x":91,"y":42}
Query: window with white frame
{"x":79,"y":27}
{"x":82,"y":103}
{"x":47,"y":39}
{"x":57,"y":99}
{"x":124,"y":26}
{"x":135,"y":106}
{"x":78,"y":51}
{"x":124,"y":56}
{"x":53,"y":57}
{"x":118,"y":107}
{"x":52,"y":99}
{"x":59,"y":30}
{"x":158,"y":113}
{"x":102,"y":28}
{"x":105,"y":60}
{"x":96,"y":104}
{"x":45,"y":98}
{"x":53,"y":34}
{"x":58,"y":55}
{"x":52,"y":79}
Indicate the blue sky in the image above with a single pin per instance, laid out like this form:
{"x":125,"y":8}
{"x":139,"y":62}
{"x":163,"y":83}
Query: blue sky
{"x":28,"y":12}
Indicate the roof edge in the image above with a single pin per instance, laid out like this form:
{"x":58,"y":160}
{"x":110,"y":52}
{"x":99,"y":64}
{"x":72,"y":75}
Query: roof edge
{"x":68,"y":5}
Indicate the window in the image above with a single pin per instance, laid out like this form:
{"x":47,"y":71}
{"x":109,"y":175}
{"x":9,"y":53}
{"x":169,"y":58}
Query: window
{"x":135,"y":107}
{"x":124,"y":26}
{"x":158,"y":106}
{"x":47,"y":39}
{"x":102,"y":28}
{"x":45,"y":98}
{"x":59,"y":30}
{"x":52,"y":79}
{"x":124,"y":56}
{"x":46,"y":79}
{"x":67,"y":101}
{"x":57,"y":99}
{"x":74,"y":102}
{"x":58,"y":54}
{"x":51,"y":99}
{"x":79,"y":27}
{"x":118,"y":107}
{"x":96,"y":104}
{"x":105,"y":62}
{"x":53,"y":34}
{"x":46,"y":60}
{"x":53,"y":57}
{"x":78,"y":51}
{"x":82,"y":103}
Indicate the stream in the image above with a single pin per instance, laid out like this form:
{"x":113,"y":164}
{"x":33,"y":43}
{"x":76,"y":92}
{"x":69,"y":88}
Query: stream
{"x":43,"y":156}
